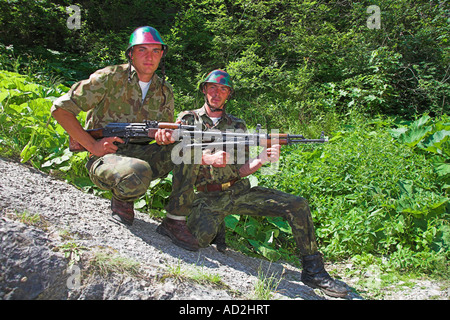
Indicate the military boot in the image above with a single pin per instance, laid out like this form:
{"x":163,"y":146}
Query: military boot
{"x":122,"y":211}
{"x":178,"y":231}
{"x":315,"y":276}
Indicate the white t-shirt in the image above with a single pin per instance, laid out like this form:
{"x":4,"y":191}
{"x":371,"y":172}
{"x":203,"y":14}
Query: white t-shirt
{"x":215,"y":120}
{"x":144,"y":88}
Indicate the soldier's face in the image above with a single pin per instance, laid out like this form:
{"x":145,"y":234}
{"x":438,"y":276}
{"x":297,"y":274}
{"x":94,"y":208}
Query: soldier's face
{"x":146,"y":58}
{"x":216,"y":94}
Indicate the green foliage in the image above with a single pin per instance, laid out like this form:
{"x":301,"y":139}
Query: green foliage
{"x":296,"y":59}
{"x":156,"y":197}
{"x":291,"y":60}
{"x":47,"y":67}
{"x":26,"y":124}
{"x":33,"y":23}
{"x":72,"y":251}
{"x":371,"y":193}
{"x":266,"y":236}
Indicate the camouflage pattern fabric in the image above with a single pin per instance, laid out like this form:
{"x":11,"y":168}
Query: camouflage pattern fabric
{"x":206,"y":211}
{"x":210,"y":208}
{"x":108,"y":96}
{"x":128,"y":172}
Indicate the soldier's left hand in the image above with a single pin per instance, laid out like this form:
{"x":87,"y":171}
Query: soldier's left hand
{"x":164,"y":137}
{"x":271,"y":154}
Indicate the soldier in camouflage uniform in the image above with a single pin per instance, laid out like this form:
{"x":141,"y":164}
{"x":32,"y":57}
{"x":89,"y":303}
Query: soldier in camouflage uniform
{"x":221,"y":190}
{"x":130,"y":92}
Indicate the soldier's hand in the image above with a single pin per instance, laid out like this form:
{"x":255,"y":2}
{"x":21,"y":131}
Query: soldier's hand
{"x":164,"y":137}
{"x":271,"y":154}
{"x":106,"y":146}
{"x":218,"y":159}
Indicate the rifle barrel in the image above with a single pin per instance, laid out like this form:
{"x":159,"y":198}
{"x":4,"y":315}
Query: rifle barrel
{"x":253,"y":142}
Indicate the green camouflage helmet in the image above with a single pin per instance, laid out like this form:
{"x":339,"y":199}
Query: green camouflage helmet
{"x":220,"y":77}
{"x":145,"y":35}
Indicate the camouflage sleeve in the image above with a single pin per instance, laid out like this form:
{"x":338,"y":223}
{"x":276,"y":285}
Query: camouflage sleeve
{"x":84,"y":95}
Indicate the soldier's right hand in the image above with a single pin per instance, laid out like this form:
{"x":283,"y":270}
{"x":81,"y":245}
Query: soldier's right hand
{"x":218,"y":159}
{"x":106,"y":146}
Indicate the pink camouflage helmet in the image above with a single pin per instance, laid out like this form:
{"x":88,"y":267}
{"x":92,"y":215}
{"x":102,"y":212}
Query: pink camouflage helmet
{"x":145,"y":35}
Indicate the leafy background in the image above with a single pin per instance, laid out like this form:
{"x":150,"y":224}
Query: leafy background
{"x":378,"y":190}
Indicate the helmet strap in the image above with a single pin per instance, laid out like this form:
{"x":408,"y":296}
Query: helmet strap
{"x":129,"y":65}
{"x":216,"y":109}
{"x":163,"y":71}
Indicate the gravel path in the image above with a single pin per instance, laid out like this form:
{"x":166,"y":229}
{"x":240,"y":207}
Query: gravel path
{"x":166,"y":271}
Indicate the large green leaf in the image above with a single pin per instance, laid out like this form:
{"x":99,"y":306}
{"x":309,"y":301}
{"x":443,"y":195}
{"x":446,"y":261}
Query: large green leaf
{"x":231,"y":221}
{"x":442,"y":169}
{"x":414,"y":135}
{"x":281,"y":224}
{"x":27,"y":152}
{"x":436,"y":142}
{"x":267,"y":252}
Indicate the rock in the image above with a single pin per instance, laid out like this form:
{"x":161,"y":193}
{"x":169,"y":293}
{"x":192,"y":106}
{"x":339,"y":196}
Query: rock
{"x":29,"y":268}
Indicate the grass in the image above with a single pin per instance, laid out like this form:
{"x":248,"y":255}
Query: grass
{"x":196,"y":274}
{"x":31,"y":219}
{"x":106,"y":263}
{"x":266,"y":285}
{"x":72,"y":251}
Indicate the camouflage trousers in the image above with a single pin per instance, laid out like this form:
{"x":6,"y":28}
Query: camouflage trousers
{"x":128,"y":172}
{"x":210,"y":208}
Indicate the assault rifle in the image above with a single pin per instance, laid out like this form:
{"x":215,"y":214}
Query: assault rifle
{"x":195,"y":136}
{"x":128,"y":131}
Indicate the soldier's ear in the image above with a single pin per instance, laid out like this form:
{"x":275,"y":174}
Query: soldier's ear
{"x":204,"y":88}
{"x":130,"y":54}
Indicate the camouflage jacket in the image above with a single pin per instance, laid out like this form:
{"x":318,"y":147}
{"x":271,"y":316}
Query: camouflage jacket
{"x":107,"y":96}
{"x":207,"y":173}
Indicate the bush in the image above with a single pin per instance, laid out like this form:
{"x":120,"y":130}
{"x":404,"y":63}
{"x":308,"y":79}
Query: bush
{"x":370,"y":193}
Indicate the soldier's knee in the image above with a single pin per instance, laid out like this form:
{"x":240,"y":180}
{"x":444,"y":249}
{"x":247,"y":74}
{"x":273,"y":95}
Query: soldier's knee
{"x":127,"y":178}
{"x":142,"y":170}
{"x":130,"y":187}
{"x":299,"y":204}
